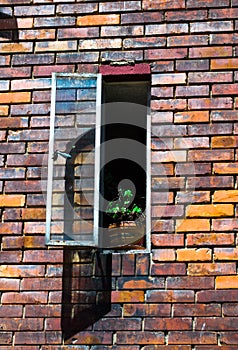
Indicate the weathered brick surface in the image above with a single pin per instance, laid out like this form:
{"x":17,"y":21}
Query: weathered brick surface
{"x":183,"y":294}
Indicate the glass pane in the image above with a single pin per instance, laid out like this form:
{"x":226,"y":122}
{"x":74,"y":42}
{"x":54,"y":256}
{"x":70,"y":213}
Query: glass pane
{"x":71,"y":166}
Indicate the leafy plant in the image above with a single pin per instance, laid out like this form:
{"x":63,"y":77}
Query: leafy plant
{"x":122,"y":209}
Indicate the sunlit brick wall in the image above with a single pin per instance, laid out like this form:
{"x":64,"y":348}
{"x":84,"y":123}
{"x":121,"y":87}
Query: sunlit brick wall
{"x":184,"y":295}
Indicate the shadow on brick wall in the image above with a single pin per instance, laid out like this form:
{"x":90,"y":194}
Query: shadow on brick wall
{"x":86,"y":290}
{"x":8,"y":27}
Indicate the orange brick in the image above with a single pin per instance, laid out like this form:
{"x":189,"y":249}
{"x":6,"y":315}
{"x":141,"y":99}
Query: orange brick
{"x":226,"y":196}
{"x":98,"y":20}
{"x":227,"y":282}
{"x":33,"y":213}
{"x":10,"y":200}
{"x":225,"y":168}
{"x":127,"y":296}
{"x":224,"y":63}
{"x":164,"y":255}
{"x":210,"y":210}
{"x":193,"y":225}
{"x":4,"y":110}
{"x":16,"y":47}
{"x":191,"y":117}
{"x":224,"y":141}
{"x":25,"y":23}
{"x":210,"y":269}
{"x":15,"y":97}
{"x":193,"y":254}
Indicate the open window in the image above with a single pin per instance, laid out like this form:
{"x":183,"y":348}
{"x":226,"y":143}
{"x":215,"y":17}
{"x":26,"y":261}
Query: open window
{"x":99,"y":160}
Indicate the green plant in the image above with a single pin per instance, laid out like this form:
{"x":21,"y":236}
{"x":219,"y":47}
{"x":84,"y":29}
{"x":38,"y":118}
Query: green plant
{"x":122,"y":209}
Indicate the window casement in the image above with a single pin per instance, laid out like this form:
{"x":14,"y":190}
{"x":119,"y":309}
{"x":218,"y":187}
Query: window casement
{"x":99,"y":147}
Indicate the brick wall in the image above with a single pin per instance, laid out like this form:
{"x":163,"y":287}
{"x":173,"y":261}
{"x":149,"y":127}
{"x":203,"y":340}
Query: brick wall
{"x":182,"y":296}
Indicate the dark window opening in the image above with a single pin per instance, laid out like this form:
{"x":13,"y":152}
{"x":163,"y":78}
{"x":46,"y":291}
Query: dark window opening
{"x":125,"y":164}
{"x":8,"y":27}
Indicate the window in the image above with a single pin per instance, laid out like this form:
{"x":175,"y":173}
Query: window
{"x":98,"y":150}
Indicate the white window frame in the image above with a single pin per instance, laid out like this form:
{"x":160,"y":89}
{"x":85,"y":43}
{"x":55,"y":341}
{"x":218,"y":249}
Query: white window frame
{"x":94,"y":243}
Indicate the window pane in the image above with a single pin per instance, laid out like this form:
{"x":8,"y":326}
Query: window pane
{"x":72,"y":153}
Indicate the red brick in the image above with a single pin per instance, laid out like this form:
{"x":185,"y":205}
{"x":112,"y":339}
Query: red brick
{"x":167,"y":240}
{"x":227,"y":38}
{"x":165,"y":269}
{"x":24,"y":298}
{"x":193,"y":197}
{"x":192,"y":65}
{"x":230,"y":309}
{"x":10,"y":228}
{"x":170,"y":296}
{"x":224,"y":224}
{"x":207,"y":3}
{"x":163,"y":324}
{"x":45,"y":256}
{"x":5,"y":338}
{"x":212,"y":77}
{"x":44,"y":34}
{"x":53,"y":324}
{"x":18,"y":324}
{"x":143,"y":42}
{"x":197,"y":310}
{"x":14,"y":123}
{"x":217,"y":323}
{"x":43,"y":310}
{"x":78,"y":32}
{"x":165,"y":54}
{"x":158,"y":5}
{"x":187,"y":337}
{"x":163,"y":255}
{"x":30,"y":338}
{"x":229,"y":338}
{"x":113,"y":324}
{"x":23,"y":186}
{"x":225,"y":89}
{"x":210,"y":103}
{"x":12,"y":242}
{"x":207,"y":27}
{"x":7,"y":284}
{"x":220,"y":296}
{"x":121,"y":31}
{"x":201,"y":239}
{"x":41,"y":284}
{"x":187,"y":40}
{"x":76,"y":8}
{"x":210,"y":129}
{"x":210,"y":182}
{"x":141,"y":338}
{"x":13,"y":310}
{"x":120,"y":6}
{"x":97,"y":337}
{"x":144,"y":17}
{"x":138,"y":310}
{"x":190,"y":282}
{"x":190,"y":15}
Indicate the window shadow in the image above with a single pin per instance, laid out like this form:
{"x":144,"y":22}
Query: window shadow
{"x":8,"y":27}
{"x":86,"y":290}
